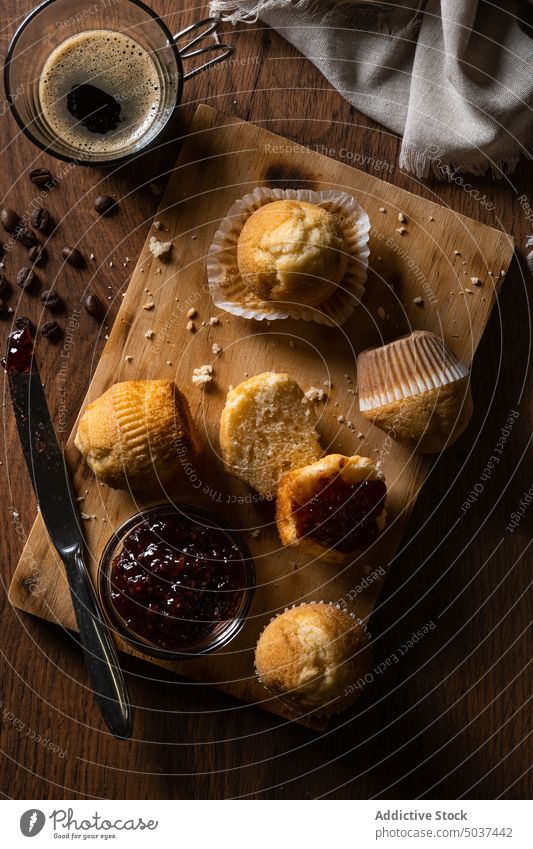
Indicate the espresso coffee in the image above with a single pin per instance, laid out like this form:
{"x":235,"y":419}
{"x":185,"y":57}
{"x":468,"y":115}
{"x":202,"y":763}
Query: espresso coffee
{"x":100,"y":92}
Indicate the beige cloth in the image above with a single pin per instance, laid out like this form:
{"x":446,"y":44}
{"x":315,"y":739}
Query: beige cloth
{"x":453,"y":77}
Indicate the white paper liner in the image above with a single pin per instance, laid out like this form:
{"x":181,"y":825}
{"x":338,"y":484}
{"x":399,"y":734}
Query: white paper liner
{"x":286,"y":699}
{"x":409,"y":366}
{"x":226,"y":285}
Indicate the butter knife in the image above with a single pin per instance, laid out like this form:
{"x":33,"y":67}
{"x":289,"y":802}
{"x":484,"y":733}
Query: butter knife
{"x":49,"y":475}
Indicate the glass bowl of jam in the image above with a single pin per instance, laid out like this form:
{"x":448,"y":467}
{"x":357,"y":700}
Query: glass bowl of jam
{"x":176,"y":582}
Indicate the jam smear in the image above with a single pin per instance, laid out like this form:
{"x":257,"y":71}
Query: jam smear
{"x":342,"y":515}
{"x":19,"y":351}
{"x":175,"y":580}
{"x":94,"y":108}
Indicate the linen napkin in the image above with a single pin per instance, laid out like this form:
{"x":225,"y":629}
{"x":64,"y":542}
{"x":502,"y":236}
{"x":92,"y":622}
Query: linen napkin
{"x":453,"y":77}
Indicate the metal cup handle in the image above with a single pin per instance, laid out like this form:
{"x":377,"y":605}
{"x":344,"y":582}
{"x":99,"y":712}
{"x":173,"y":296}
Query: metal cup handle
{"x":187,"y":51}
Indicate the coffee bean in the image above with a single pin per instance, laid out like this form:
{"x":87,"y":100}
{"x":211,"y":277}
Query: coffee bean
{"x":4,"y":286}
{"x":9,"y":219}
{"x":25,"y":278}
{"x":40,"y":219}
{"x":38,"y":254}
{"x":23,"y":321}
{"x":73,"y":256}
{"x":25,"y":236}
{"x":92,"y":304}
{"x":104,"y":204}
{"x":51,"y":330}
{"x":40,"y":176}
{"x":51,"y":300}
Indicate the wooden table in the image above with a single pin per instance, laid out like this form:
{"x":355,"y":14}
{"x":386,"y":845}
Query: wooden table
{"x":450,"y":716}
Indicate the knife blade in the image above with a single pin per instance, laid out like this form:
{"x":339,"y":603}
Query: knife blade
{"x":51,"y":482}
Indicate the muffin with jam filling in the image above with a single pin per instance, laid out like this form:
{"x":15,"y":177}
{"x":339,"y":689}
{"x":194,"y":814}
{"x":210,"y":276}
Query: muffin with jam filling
{"x":332,"y":508}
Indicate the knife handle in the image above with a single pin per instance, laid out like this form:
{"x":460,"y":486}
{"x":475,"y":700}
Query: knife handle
{"x":99,"y":650}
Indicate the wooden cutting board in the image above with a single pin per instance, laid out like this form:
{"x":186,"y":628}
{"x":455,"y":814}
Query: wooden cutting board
{"x":435,"y":259}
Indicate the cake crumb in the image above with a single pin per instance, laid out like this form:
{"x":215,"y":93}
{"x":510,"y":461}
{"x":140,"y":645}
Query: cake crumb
{"x":341,"y":419}
{"x":255,"y":533}
{"x":402,"y":218}
{"x":469,"y":291}
{"x":401,"y":230}
{"x":360,"y":435}
{"x":216,"y":348}
{"x":214,"y":320}
{"x":128,"y":358}
{"x":476,"y":281}
{"x":191,"y":313}
{"x":418,"y":300}
{"x":203,"y":375}
{"x":381,"y":312}
{"x":314,"y":394}
{"x":92,"y":256}
{"x":457,"y":253}
{"x":159,"y":249}
{"x":431,"y":218}
{"x":382,"y":209}
{"x":190,"y":326}
{"x":158,"y":226}
{"x":149,"y":334}
{"x":149,"y":305}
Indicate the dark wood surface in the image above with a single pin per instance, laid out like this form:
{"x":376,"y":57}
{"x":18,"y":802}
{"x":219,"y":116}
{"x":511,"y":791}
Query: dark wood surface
{"x":449,"y":717}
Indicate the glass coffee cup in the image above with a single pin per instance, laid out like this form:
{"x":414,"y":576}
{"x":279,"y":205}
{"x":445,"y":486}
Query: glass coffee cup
{"x":97,"y":83}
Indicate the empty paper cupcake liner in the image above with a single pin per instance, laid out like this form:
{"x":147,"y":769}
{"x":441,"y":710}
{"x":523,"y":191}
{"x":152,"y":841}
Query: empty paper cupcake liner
{"x":290,"y":703}
{"x":228,"y":290}
{"x":413,"y":364}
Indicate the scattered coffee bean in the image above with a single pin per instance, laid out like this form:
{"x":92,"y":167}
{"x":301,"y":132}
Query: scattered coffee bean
{"x":72,"y":256}
{"x":23,"y":321}
{"x":51,"y":330}
{"x":38,"y":254}
{"x":40,"y":219}
{"x":40,"y":176}
{"x":92,"y":304}
{"x":9,"y":219}
{"x":25,"y":236}
{"x":51,"y":300}
{"x":25,"y":278}
{"x":4,"y":285}
{"x":104,"y":204}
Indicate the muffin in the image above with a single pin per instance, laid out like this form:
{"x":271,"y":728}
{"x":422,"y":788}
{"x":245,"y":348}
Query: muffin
{"x":332,"y":508}
{"x":137,"y":435}
{"x":266,"y":429}
{"x":417,"y":390}
{"x":292,"y":251}
{"x":314,"y":657}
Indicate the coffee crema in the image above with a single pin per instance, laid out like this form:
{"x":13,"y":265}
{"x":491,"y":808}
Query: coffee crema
{"x":100,"y":91}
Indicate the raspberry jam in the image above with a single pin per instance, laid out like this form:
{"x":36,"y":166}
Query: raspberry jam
{"x":19,"y":351}
{"x":342,"y":515}
{"x":176,"y":581}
